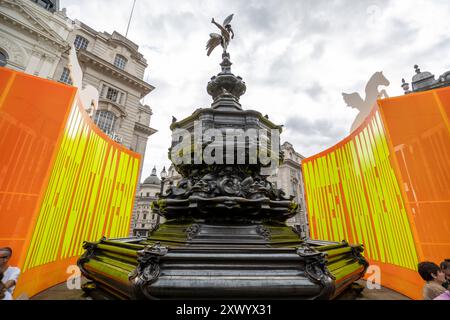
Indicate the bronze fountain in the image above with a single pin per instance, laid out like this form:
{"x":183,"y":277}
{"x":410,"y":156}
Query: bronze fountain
{"x":225,"y":235}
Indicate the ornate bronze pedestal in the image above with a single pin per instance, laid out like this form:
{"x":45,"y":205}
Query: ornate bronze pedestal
{"x":226,"y":234}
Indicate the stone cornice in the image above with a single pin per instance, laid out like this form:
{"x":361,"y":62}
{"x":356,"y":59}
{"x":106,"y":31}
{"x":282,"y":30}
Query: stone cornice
{"x":88,"y":57}
{"x":145,"y":198}
{"x":144,"y":129}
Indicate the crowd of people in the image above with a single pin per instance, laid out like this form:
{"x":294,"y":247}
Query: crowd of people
{"x":437,"y":280}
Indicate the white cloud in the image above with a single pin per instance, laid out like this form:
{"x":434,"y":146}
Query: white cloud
{"x":296,"y":57}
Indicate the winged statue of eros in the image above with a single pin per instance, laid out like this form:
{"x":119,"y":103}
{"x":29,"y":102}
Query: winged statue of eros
{"x":224,"y":38}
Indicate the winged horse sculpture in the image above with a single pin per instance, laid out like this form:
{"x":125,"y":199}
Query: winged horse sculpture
{"x":88,"y":94}
{"x":373,"y":93}
{"x":224,"y":38}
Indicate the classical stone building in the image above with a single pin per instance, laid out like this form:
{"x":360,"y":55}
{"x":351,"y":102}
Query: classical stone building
{"x":289,"y":178}
{"x":35,"y":38}
{"x":112,"y":64}
{"x":144,"y":219}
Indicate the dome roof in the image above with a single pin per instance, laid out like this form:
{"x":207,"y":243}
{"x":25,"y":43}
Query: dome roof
{"x":422,"y":76}
{"x":422,"y":80}
{"x":153,"y":179}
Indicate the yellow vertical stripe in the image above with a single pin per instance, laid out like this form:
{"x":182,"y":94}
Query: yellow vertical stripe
{"x":84,"y":173}
{"x":356,"y":180}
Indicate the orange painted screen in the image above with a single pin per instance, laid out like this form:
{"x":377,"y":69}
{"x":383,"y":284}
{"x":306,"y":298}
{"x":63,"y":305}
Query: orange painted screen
{"x":63,"y":181}
{"x":353,"y":194}
{"x":32,"y":115}
{"x":419,"y":129}
{"x":387,"y":186}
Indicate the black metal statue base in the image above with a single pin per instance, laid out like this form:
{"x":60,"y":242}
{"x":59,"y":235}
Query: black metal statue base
{"x":226,"y":234}
{"x":202,"y":261}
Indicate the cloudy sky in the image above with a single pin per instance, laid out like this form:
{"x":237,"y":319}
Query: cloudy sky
{"x":296,"y":56}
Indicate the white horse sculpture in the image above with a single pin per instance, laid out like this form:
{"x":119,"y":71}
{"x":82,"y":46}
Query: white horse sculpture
{"x":88,"y":95}
{"x":354,"y":100}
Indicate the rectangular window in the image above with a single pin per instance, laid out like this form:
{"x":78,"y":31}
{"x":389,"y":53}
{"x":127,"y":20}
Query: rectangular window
{"x":120,"y":61}
{"x":112,"y":94}
{"x":45,"y":4}
{"x":65,"y":76}
{"x":145,"y":217}
{"x":143,"y":225}
{"x":80,"y":43}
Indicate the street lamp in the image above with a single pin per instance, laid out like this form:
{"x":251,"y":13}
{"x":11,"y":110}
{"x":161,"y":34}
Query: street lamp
{"x":163,"y":175}
{"x":163,"y":179}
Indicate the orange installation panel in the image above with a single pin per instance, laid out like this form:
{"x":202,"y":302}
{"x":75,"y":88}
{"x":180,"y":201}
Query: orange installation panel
{"x":419,"y":129}
{"x":63,"y":181}
{"x":353,"y":193}
{"x":33,"y":113}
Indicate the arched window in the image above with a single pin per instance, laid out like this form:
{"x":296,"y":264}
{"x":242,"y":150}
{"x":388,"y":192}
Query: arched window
{"x":120,"y":61}
{"x":105,"y":120}
{"x":80,"y":42}
{"x":3,"y":58}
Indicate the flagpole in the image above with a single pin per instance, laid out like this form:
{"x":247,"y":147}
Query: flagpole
{"x":129,"y":21}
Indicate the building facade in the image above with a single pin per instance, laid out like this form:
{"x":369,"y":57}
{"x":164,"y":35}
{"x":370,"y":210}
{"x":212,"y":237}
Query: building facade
{"x":113,"y":65}
{"x":289,"y":178}
{"x":424,"y":81}
{"x":35,"y":38}
{"x":144,"y":220}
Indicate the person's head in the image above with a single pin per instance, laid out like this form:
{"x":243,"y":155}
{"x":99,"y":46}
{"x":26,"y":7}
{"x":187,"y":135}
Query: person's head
{"x":430,"y":271}
{"x":445,"y":267}
{"x":5,"y":255}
